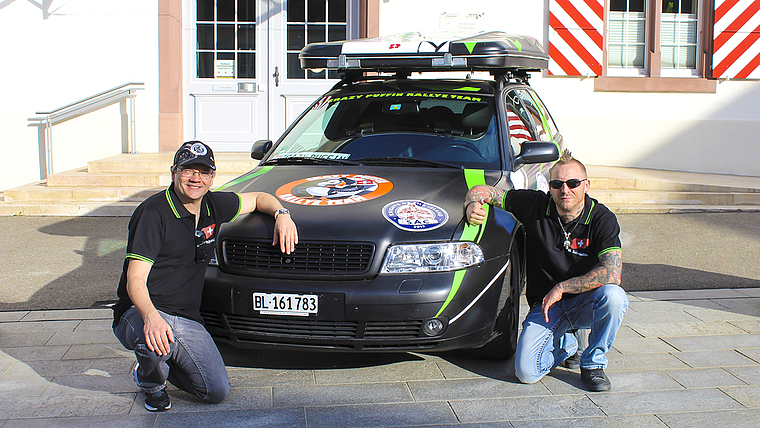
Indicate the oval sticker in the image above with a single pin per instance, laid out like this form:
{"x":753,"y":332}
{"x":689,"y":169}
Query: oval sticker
{"x":334,"y":189}
{"x":415,"y":216}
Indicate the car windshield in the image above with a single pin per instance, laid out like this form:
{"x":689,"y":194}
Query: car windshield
{"x":448,"y":128}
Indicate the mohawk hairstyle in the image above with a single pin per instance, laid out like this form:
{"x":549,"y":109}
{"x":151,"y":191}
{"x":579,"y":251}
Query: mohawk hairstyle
{"x":567,"y":157}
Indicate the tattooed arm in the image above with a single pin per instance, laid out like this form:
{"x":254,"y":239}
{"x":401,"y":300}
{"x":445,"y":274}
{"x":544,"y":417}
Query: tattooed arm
{"x":476,"y":197}
{"x":607,"y":271}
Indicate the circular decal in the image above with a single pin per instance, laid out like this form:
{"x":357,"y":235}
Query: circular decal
{"x":198,"y":149}
{"x":415,"y":215}
{"x":334,"y":189}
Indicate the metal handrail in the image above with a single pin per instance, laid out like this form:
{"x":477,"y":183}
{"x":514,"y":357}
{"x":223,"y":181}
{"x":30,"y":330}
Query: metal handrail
{"x":123,"y":94}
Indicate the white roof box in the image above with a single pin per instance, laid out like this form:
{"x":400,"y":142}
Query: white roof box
{"x":492,"y":51}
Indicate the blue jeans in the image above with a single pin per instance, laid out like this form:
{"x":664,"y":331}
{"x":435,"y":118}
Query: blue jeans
{"x":193,"y":363}
{"x":543,"y":346}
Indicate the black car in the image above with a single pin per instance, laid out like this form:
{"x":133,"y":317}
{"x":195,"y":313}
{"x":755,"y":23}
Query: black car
{"x":375,"y":173}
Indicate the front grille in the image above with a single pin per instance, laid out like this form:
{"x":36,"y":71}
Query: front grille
{"x":297,"y":327}
{"x":293,"y":327}
{"x":309,"y":257}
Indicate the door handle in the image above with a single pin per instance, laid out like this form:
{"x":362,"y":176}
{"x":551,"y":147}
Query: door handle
{"x":276,"y":76}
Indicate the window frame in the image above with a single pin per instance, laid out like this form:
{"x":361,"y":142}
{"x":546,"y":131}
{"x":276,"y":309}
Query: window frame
{"x":654,"y":78}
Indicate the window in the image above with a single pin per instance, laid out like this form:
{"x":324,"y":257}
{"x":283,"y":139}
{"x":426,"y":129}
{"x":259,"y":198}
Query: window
{"x":625,"y":35}
{"x":678,"y":38}
{"x":627,"y":31}
{"x":226,"y":39}
{"x":312,"y":21}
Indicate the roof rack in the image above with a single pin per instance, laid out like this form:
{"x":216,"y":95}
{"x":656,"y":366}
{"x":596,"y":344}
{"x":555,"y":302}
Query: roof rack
{"x":495,"y":52}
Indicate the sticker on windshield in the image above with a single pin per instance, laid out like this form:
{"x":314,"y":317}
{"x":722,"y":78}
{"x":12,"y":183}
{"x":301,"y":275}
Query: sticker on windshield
{"x":415,"y":216}
{"x":541,"y":183}
{"x":312,"y":155}
{"x":334,"y":189}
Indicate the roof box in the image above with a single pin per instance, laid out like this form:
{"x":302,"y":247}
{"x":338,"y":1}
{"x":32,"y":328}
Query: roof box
{"x":491,"y":51}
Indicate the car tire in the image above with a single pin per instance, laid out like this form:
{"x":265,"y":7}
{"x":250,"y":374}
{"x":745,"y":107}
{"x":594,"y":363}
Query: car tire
{"x":503,"y":342}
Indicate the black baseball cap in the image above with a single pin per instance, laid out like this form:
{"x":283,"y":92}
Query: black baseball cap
{"x":194,"y":152}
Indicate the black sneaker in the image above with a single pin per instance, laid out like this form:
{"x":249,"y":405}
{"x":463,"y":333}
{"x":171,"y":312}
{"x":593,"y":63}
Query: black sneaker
{"x":572,"y":362}
{"x":595,"y":379}
{"x":158,"y":401}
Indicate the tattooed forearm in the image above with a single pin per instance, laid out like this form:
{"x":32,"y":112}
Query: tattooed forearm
{"x":481,"y":193}
{"x":608,"y":271}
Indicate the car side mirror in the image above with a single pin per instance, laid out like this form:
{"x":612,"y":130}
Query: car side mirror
{"x":537,"y":152}
{"x":260,"y":149}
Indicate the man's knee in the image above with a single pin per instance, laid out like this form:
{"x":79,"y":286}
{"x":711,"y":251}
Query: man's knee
{"x":526,"y":376}
{"x":217,"y":393}
{"x":614,"y":298}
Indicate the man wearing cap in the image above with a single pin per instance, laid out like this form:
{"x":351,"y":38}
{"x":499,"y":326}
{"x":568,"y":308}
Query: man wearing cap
{"x":171,"y":240}
{"x":574,"y":267}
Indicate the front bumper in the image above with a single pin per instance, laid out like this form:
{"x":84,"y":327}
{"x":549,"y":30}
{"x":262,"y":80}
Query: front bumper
{"x":382,"y":314}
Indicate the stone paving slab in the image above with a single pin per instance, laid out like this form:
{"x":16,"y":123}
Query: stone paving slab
{"x":65,"y":368}
{"x":725,"y":419}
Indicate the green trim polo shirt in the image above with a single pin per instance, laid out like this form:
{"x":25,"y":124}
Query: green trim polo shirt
{"x":162,"y":232}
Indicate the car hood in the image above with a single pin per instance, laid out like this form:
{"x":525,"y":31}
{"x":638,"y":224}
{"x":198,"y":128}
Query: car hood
{"x":359,"y":203}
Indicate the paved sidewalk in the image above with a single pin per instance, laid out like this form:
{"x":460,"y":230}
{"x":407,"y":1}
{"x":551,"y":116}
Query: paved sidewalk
{"x":688,"y":358}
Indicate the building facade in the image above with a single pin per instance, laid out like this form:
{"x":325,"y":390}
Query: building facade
{"x":663,"y":84}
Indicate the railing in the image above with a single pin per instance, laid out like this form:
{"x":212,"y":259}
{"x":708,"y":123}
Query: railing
{"x":124,"y":95}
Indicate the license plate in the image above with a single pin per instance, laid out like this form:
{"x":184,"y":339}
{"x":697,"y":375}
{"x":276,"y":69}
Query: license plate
{"x":285,"y":304}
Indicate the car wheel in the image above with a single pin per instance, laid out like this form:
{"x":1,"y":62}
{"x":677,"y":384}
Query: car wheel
{"x":503,"y":342}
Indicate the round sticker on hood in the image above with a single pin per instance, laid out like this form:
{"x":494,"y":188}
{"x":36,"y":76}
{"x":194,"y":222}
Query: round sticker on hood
{"x":334,"y":189}
{"x":414,"y":216}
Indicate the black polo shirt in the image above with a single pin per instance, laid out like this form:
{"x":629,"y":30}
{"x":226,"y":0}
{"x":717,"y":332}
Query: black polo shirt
{"x":162,"y":232}
{"x":595,"y":232}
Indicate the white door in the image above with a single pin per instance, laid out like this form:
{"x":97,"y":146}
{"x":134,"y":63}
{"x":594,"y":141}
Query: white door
{"x":243,"y":76}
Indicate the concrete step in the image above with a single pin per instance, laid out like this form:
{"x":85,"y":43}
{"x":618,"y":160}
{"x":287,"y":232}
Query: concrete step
{"x":159,"y":163}
{"x":679,"y":209}
{"x":620,"y":178}
{"x":82,"y":178}
{"x":68,"y":209}
{"x":39,"y":192}
{"x":659,"y":197}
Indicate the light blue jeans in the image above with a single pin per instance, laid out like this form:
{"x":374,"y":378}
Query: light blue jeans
{"x":543,"y":346}
{"x":193,"y":363}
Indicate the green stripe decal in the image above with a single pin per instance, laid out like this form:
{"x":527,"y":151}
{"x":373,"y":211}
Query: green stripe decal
{"x":468,"y":89}
{"x":244,"y":178}
{"x":473,"y":177}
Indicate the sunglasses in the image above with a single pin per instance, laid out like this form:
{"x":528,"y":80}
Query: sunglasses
{"x":571,"y":184}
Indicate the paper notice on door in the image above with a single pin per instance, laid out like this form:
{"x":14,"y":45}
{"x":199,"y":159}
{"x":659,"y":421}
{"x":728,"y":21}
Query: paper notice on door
{"x":225,"y":68}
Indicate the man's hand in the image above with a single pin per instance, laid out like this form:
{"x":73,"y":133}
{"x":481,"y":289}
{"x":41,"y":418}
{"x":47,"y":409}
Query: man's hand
{"x":285,"y":233}
{"x":475,"y":212}
{"x":158,"y":334}
{"x":553,"y":296}
{"x":476,"y":198}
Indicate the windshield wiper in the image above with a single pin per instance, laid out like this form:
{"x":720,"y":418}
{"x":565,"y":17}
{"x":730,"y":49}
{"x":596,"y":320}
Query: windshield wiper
{"x":309,"y":161}
{"x":401,"y":161}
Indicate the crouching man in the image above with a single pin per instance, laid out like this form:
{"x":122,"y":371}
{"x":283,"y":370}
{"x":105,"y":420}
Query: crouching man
{"x":574,"y":266}
{"x":171,"y":240}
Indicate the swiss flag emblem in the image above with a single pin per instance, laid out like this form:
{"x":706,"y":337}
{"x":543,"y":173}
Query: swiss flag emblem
{"x":394,"y":46}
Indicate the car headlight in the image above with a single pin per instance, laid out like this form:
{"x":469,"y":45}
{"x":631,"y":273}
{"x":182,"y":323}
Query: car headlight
{"x":434,"y":257}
